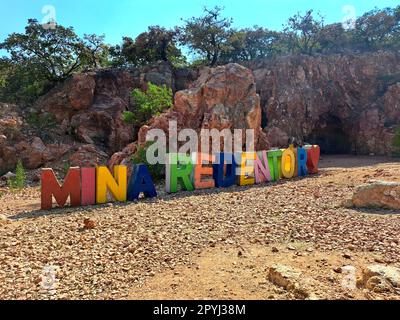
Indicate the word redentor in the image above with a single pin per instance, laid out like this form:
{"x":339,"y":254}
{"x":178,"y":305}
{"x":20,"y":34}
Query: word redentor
{"x":89,"y":186}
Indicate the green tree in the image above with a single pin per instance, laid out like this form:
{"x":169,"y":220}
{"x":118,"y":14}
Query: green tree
{"x":148,"y":104}
{"x":57,"y":52}
{"x":21,"y":83}
{"x":157,"y":44}
{"x":42,"y":57}
{"x":378,"y":28}
{"x":334,"y":38}
{"x":303,"y":32}
{"x":251,"y":44}
{"x":96,"y":53}
{"x":207,"y":35}
{"x":19,"y":181}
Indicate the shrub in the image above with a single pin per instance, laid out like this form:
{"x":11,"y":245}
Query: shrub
{"x":157,"y":171}
{"x":149,"y":104}
{"x":19,"y":181}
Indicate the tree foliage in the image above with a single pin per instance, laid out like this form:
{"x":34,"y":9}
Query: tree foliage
{"x":378,"y":28}
{"x":157,"y":44}
{"x":251,"y":44}
{"x":19,"y":181}
{"x":147,"y":104}
{"x":207,"y":36}
{"x":42,"y":57}
{"x":303,"y":32}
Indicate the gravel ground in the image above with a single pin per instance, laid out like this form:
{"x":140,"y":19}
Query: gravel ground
{"x":125,"y":245}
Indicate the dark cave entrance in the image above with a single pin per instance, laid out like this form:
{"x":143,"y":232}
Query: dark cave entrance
{"x":331,"y":136}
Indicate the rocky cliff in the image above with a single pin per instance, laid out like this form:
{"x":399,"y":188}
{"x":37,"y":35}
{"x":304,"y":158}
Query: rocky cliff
{"x":345,"y":103}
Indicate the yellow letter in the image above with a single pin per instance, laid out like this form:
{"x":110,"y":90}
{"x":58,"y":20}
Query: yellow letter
{"x":288,"y":164}
{"x":116,"y":185}
{"x":246,"y":170}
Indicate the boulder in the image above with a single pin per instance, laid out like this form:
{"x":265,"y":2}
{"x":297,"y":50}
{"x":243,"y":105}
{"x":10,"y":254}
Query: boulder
{"x":284,"y":276}
{"x":378,"y":194}
{"x":379,"y":278}
{"x":289,"y":279}
{"x":7,"y":176}
{"x":36,"y":154}
{"x":4,"y":220}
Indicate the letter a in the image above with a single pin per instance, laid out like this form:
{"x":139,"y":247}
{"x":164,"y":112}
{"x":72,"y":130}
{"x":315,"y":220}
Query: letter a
{"x":141,"y":182}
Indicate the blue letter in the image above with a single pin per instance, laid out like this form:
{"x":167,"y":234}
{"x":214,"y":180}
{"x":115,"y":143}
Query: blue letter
{"x":230,"y":177}
{"x":302,"y":162}
{"x":141,"y":182}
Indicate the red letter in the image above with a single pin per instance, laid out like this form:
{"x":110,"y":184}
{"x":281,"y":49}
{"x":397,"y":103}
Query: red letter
{"x":71,"y":188}
{"x":88,"y":186}
{"x":313,"y":155}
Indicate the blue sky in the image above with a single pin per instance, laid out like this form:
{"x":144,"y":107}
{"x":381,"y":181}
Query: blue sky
{"x":119,"y":18}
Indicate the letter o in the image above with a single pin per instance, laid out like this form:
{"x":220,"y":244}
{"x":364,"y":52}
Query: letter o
{"x":288,"y":164}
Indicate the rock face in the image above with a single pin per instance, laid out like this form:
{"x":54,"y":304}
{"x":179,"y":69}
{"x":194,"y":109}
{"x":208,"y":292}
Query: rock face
{"x":221,"y":98}
{"x":344,"y":103}
{"x":378,"y":194}
{"x":90,"y":106}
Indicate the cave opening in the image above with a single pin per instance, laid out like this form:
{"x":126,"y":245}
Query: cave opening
{"x":331,"y":136}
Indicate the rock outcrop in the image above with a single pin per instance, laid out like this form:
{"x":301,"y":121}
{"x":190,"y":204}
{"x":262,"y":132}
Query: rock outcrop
{"x":90,"y":106}
{"x":378,"y":194}
{"x":221,"y":98}
{"x":345,"y":103}
{"x":87,"y":113}
{"x":379,"y":278}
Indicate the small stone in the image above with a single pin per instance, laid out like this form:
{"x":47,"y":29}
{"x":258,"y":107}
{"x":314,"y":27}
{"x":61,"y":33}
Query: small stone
{"x":347,"y":256}
{"x":4,"y":219}
{"x":89,"y":224}
{"x":338,"y":270}
{"x":275,"y":250}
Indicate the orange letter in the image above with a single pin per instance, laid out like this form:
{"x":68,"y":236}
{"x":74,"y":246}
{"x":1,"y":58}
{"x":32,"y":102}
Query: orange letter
{"x":200,"y":170}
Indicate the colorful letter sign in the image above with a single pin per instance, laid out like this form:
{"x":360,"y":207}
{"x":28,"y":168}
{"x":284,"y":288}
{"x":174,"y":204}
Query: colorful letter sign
{"x":88,"y":186}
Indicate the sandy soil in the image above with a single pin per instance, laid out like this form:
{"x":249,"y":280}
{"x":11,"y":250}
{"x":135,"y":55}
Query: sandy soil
{"x":215,"y":244}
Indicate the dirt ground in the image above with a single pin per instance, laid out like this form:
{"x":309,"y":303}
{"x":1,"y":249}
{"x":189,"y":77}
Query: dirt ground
{"x":215,"y":244}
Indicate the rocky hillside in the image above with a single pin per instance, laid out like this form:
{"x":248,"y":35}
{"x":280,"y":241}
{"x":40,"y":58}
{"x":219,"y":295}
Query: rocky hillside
{"x":346,"y":103}
{"x":80,"y":121}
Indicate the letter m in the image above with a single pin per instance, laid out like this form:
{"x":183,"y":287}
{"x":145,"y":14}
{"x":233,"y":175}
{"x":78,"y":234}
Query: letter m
{"x":70,"y":189}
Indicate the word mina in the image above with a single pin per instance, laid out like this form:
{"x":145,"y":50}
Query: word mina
{"x":89,"y":186}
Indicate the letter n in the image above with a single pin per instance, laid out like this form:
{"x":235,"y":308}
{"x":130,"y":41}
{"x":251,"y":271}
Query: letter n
{"x":50,"y":187}
{"x":116,"y":184}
